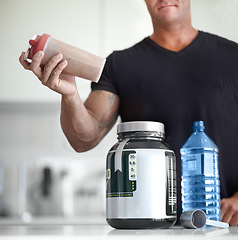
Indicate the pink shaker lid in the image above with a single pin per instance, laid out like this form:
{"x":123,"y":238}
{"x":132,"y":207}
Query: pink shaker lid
{"x":37,"y":43}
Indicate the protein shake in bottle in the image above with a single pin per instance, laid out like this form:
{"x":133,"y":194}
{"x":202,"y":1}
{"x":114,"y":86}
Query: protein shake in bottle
{"x":80,"y":63}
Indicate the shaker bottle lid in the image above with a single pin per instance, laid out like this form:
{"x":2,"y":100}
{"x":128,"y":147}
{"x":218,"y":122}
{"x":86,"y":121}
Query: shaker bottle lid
{"x":37,"y":43}
{"x":140,"y":126}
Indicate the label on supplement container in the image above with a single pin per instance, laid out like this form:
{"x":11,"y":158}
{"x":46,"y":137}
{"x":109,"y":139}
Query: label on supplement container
{"x":171,"y":207}
{"x":121,"y":182}
{"x":146,"y":176}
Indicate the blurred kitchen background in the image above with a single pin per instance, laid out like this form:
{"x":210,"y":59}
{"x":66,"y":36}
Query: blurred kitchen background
{"x":40,"y":174}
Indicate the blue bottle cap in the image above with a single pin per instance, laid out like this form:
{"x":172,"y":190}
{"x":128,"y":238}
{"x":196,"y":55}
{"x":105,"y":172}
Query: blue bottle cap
{"x":198,"y":126}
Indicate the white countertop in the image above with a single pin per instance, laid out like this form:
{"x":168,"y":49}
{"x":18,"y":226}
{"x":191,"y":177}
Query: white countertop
{"x":97,"y":228}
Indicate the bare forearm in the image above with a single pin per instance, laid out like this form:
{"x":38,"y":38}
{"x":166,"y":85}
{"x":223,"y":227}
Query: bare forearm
{"x":86,"y":124}
{"x":78,"y":125}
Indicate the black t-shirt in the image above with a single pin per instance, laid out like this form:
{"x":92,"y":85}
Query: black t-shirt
{"x":200,"y":82}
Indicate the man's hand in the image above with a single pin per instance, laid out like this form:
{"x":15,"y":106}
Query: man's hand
{"x":229,"y":210}
{"x":51,"y":74}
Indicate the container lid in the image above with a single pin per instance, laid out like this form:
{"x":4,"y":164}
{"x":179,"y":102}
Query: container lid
{"x":148,"y":126}
{"x":37,"y":43}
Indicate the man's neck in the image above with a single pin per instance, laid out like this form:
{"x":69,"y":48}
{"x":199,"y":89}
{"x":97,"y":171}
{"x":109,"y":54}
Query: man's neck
{"x":174,"y":39}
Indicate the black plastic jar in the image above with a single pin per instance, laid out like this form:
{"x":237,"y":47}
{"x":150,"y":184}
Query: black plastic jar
{"x":141,"y":178}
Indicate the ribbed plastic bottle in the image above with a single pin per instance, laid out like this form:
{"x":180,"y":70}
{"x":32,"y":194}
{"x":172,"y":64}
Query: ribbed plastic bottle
{"x":200,"y":173}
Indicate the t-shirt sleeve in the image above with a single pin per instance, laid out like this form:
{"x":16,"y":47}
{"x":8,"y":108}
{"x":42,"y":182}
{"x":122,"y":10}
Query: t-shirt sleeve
{"x":106,"y":81}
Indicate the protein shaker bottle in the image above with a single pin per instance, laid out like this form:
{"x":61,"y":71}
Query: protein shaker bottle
{"x":80,"y":63}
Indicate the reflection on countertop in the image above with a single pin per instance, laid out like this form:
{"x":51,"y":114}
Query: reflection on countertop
{"x":53,"y":221}
{"x":97,"y":228}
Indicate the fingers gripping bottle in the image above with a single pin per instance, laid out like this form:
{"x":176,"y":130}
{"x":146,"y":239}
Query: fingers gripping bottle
{"x":200,"y":174}
{"x":80,"y":63}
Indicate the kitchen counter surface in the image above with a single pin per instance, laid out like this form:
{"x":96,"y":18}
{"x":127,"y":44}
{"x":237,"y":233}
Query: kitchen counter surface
{"x":97,"y":228}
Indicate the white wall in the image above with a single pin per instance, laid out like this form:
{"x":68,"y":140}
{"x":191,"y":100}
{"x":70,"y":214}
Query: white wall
{"x":216,"y":16}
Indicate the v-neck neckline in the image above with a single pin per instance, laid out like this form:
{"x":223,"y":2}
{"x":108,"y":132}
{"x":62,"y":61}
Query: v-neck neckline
{"x":176,"y":52}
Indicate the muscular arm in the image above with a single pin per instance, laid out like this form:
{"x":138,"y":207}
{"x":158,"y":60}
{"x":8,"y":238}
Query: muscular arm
{"x":83,"y":124}
{"x":86,"y":124}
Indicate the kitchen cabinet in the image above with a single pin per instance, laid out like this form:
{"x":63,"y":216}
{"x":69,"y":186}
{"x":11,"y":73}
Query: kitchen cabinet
{"x":97,"y":228}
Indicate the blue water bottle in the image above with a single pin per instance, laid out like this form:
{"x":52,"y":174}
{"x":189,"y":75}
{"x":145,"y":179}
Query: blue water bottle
{"x":200,"y":173}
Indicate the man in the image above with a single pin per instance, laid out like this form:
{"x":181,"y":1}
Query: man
{"x":175,"y":76}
